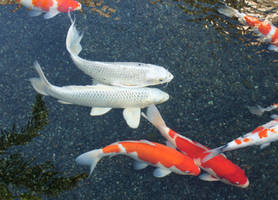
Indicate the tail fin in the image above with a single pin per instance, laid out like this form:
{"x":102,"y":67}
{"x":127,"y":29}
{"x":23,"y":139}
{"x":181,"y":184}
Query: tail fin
{"x":41,"y":84}
{"x":90,"y":158}
{"x":73,"y":39}
{"x":154,"y":117}
{"x":213,"y":153}
{"x":229,"y":12}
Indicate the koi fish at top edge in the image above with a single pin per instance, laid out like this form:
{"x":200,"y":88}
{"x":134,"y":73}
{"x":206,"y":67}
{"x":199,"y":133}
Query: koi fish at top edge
{"x":218,"y":168}
{"x":145,"y":153}
{"x":263,"y":135}
{"x":266,"y":30}
{"x":50,"y":7}
{"x":123,"y":74}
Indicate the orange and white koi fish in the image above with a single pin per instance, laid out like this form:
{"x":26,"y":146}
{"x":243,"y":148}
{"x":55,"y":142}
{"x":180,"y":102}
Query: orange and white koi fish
{"x":217,"y":169}
{"x":50,"y":7}
{"x":266,"y":30}
{"x":263,"y":135}
{"x":145,"y":153}
{"x":258,"y":110}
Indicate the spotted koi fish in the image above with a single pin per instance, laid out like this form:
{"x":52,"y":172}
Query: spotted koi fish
{"x":258,"y":110}
{"x":266,"y":30}
{"x":263,"y":135}
{"x":50,"y":7}
{"x":218,"y":168}
{"x":145,"y":153}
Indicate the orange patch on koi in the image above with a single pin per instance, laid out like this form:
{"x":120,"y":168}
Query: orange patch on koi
{"x":114,"y":148}
{"x":263,"y":133}
{"x":246,"y":140}
{"x":260,"y":128}
{"x":45,"y":5}
{"x":238,"y":141}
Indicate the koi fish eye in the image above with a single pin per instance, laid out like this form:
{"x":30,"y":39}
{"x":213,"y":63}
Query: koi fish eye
{"x":237,"y":183}
{"x":160,"y":80}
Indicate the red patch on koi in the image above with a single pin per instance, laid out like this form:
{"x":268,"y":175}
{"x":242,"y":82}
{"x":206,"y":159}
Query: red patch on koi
{"x":238,"y":141}
{"x":264,"y":28}
{"x":260,"y":128}
{"x":246,"y":140}
{"x":263,"y":133}
{"x":172,"y":133}
{"x":252,"y":21}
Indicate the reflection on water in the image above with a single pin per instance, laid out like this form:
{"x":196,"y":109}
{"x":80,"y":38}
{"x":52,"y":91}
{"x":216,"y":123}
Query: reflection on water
{"x":18,"y":173}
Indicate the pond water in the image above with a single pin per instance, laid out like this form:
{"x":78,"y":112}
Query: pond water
{"x":219,"y":69}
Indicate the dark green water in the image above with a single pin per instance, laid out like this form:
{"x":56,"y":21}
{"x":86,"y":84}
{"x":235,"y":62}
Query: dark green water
{"x":218,"y":72}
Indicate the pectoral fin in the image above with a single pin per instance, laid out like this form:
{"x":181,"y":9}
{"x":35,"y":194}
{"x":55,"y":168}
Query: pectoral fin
{"x":208,"y":177}
{"x":99,"y":111}
{"x":35,"y":12}
{"x":169,"y":144}
{"x":132,"y":116}
{"x":51,"y":14}
{"x":262,"y":146}
{"x":63,"y":102}
{"x":138,"y":165}
{"x":159,"y":172}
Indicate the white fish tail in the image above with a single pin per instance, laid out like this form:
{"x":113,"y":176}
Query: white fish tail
{"x":213,"y":153}
{"x":41,"y":85}
{"x":230,"y":12}
{"x":73,"y":39}
{"x":90,"y":158}
{"x":154,"y":117}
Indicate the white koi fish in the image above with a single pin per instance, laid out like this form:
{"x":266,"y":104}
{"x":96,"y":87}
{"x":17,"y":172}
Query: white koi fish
{"x":262,"y":135}
{"x":50,"y":7}
{"x":145,"y":153}
{"x":102,"y":98}
{"x":124,"y":74}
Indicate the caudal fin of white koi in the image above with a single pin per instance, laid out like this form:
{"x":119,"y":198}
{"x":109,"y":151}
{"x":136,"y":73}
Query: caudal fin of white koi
{"x":213,"y":153}
{"x":41,"y":84}
{"x":256,"y":110}
{"x":230,"y":12}
{"x":90,"y":158}
{"x":154,"y":117}
{"x":73,"y":39}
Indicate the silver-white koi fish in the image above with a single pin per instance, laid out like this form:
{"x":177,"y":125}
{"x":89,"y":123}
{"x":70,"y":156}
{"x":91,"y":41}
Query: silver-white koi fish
{"x":263,"y":135}
{"x":124,"y":74}
{"x":102,"y":98}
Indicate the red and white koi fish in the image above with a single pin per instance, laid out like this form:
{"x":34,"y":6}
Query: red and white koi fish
{"x":218,"y":169}
{"x":50,"y":7}
{"x":266,"y":30}
{"x":263,"y":135}
{"x":145,"y":153}
{"x":258,"y":110}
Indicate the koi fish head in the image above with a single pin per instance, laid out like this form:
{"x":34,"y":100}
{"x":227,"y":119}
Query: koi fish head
{"x":68,"y":5}
{"x":238,"y":178}
{"x":159,"y":76}
{"x":157,"y":97}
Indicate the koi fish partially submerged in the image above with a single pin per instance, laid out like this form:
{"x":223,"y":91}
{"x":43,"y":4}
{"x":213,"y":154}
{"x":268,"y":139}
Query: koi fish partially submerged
{"x":50,"y":7}
{"x":262,"y":135}
{"x":123,"y":74}
{"x":258,"y":110}
{"x":102,"y":98}
{"x":145,"y":153}
{"x":266,"y":30}
{"x":218,"y":169}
